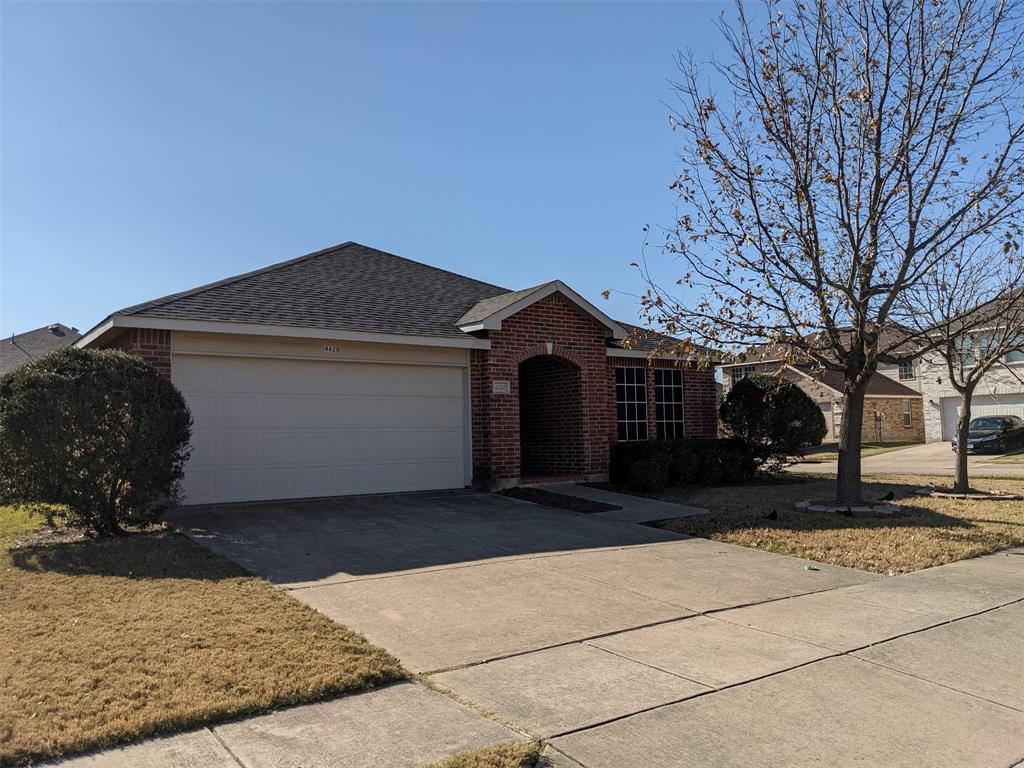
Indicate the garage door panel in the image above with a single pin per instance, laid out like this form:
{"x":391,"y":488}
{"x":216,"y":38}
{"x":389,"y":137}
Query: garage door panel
{"x":268,"y":429}
{"x":981,"y":405}
{"x":234,"y":411}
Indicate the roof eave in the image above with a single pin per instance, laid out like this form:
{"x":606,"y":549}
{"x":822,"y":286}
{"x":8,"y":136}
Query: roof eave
{"x":116,"y":322}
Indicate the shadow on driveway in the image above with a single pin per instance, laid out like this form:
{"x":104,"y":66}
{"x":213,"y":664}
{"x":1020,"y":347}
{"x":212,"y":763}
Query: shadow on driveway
{"x":302,"y":542}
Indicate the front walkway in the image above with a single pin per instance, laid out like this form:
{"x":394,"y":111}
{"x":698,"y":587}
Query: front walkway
{"x":620,"y":644}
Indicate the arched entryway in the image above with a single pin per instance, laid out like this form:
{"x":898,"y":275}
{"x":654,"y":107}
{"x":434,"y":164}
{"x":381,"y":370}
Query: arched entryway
{"x":550,"y":418}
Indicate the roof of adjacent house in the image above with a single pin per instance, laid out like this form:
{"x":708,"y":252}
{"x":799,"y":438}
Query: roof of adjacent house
{"x":352,"y":287}
{"x":878,"y":385}
{"x":17,"y":349}
{"x":898,"y":341}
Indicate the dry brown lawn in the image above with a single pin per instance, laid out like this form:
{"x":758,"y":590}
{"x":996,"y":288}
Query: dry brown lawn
{"x":931,"y":532}
{"x":107,"y":641}
{"x":509,"y":754}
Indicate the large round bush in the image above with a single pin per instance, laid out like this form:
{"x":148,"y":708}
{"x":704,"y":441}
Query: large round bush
{"x":776,"y":418}
{"x":95,"y":437}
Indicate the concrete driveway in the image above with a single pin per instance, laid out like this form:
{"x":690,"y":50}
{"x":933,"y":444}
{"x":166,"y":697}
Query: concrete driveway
{"x":455,"y":579}
{"x":927,"y":459}
{"x":619,"y":644}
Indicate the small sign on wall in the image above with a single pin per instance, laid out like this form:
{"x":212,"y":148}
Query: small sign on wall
{"x":502,"y":387}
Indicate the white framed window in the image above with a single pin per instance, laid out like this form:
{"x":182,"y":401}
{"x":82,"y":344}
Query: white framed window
{"x":908,"y":413}
{"x":906,"y":370}
{"x":1016,"y":355}
{"x":741,"y":372}
{"x":631,"y":403}
{"x":668,"y":403}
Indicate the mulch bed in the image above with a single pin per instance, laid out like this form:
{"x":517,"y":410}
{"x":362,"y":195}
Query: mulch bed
{"x":558,"y":500}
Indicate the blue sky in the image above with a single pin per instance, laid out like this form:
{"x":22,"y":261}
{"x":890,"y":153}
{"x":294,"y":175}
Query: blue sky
{"x":151,"y":147}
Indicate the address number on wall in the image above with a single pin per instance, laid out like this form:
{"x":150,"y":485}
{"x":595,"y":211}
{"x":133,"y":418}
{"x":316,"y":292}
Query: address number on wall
{"x":332,"y":348}
{"x":502,"y":388}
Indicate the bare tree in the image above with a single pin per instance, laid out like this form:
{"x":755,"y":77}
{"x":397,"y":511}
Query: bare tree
{"x":969,"y":313}
{"x":839,"y":153}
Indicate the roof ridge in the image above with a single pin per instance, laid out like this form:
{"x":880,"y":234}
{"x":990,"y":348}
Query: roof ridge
{"x":431,"y":266}
{"x":135,"y":308}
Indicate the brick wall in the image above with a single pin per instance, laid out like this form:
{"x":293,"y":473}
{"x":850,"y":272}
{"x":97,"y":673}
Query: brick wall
{"x":767,"y":369}
{"x":153,"y":346}
{"x":551,"y":326}
{"x":891,"y":428}
{"x":549,"y":402}
{"x":700,"y":408}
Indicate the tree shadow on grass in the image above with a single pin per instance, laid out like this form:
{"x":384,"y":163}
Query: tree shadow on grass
{"x":775,"y":512}
{"x":137,"y":556}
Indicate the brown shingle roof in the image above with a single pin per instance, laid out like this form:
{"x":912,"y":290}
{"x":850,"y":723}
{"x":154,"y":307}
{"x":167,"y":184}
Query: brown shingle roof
{"x":484,"y":309}
{"x":349,"y":287}
{"x":877,"y":384}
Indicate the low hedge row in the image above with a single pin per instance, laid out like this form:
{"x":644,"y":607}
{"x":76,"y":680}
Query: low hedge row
{"x":651,"y":465}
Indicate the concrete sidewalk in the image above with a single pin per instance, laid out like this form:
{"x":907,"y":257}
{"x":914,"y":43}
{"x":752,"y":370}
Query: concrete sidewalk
{"x":405,"y":725}
{"x":624,"y":650}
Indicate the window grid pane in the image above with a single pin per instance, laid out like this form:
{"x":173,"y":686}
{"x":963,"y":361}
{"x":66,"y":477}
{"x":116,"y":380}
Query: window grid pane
{"x":631,"y":403}
{"x":668,"y":403}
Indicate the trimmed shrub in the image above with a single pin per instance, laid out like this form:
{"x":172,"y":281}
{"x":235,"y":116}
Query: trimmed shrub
{"x":733,"y":468}
{"x":94,"y":438}
{"x":775,"y":418}
{"x":684,"y":468}
{"x":711,"y":468}
{"x":648,"y":475}
{"x":687,"y":461}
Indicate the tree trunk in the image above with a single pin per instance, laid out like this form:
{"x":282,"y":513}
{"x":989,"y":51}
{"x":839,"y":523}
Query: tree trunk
{"x":848,"y":490}
{"x":962,"y":483}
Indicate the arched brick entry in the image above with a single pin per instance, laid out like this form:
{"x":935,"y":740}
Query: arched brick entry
{"x":550,"y":417}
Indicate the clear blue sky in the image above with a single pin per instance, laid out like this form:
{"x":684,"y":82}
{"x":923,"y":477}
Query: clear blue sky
{"x":151,"y":147}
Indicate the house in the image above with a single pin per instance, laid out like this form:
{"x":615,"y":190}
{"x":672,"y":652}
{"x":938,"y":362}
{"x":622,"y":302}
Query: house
{"x":23,"y":347}
{"x":893,"y":405}
{"x":351,"y":370}
{"x":1000,"y":391}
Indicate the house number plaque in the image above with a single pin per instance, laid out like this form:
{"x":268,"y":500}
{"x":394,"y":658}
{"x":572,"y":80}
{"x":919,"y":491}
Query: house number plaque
{"x":502,"y":388}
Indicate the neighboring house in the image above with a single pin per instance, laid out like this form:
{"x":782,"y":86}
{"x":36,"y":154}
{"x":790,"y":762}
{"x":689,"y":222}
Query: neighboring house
{"x":25,"y":346}
{"x":893,"y":411}
{"x":1000,"y":391}
{"x":351,"y":370}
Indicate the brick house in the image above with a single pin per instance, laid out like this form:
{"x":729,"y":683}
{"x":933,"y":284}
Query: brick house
{"x":893,"y":408}
{"x":351,"y":370}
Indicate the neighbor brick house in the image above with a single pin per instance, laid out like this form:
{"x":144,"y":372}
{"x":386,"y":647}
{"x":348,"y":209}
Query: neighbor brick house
{"x":351,"y":370}
{"x":893,"y":411}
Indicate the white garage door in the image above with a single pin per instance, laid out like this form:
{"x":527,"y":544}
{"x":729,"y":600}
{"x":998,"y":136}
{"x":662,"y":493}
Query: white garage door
{"x":981,"y":405}
{"x":282,"y":429}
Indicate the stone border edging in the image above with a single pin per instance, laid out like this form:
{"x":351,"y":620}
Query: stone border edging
{"x":968,"y":496}
{"x":865,"y":509}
